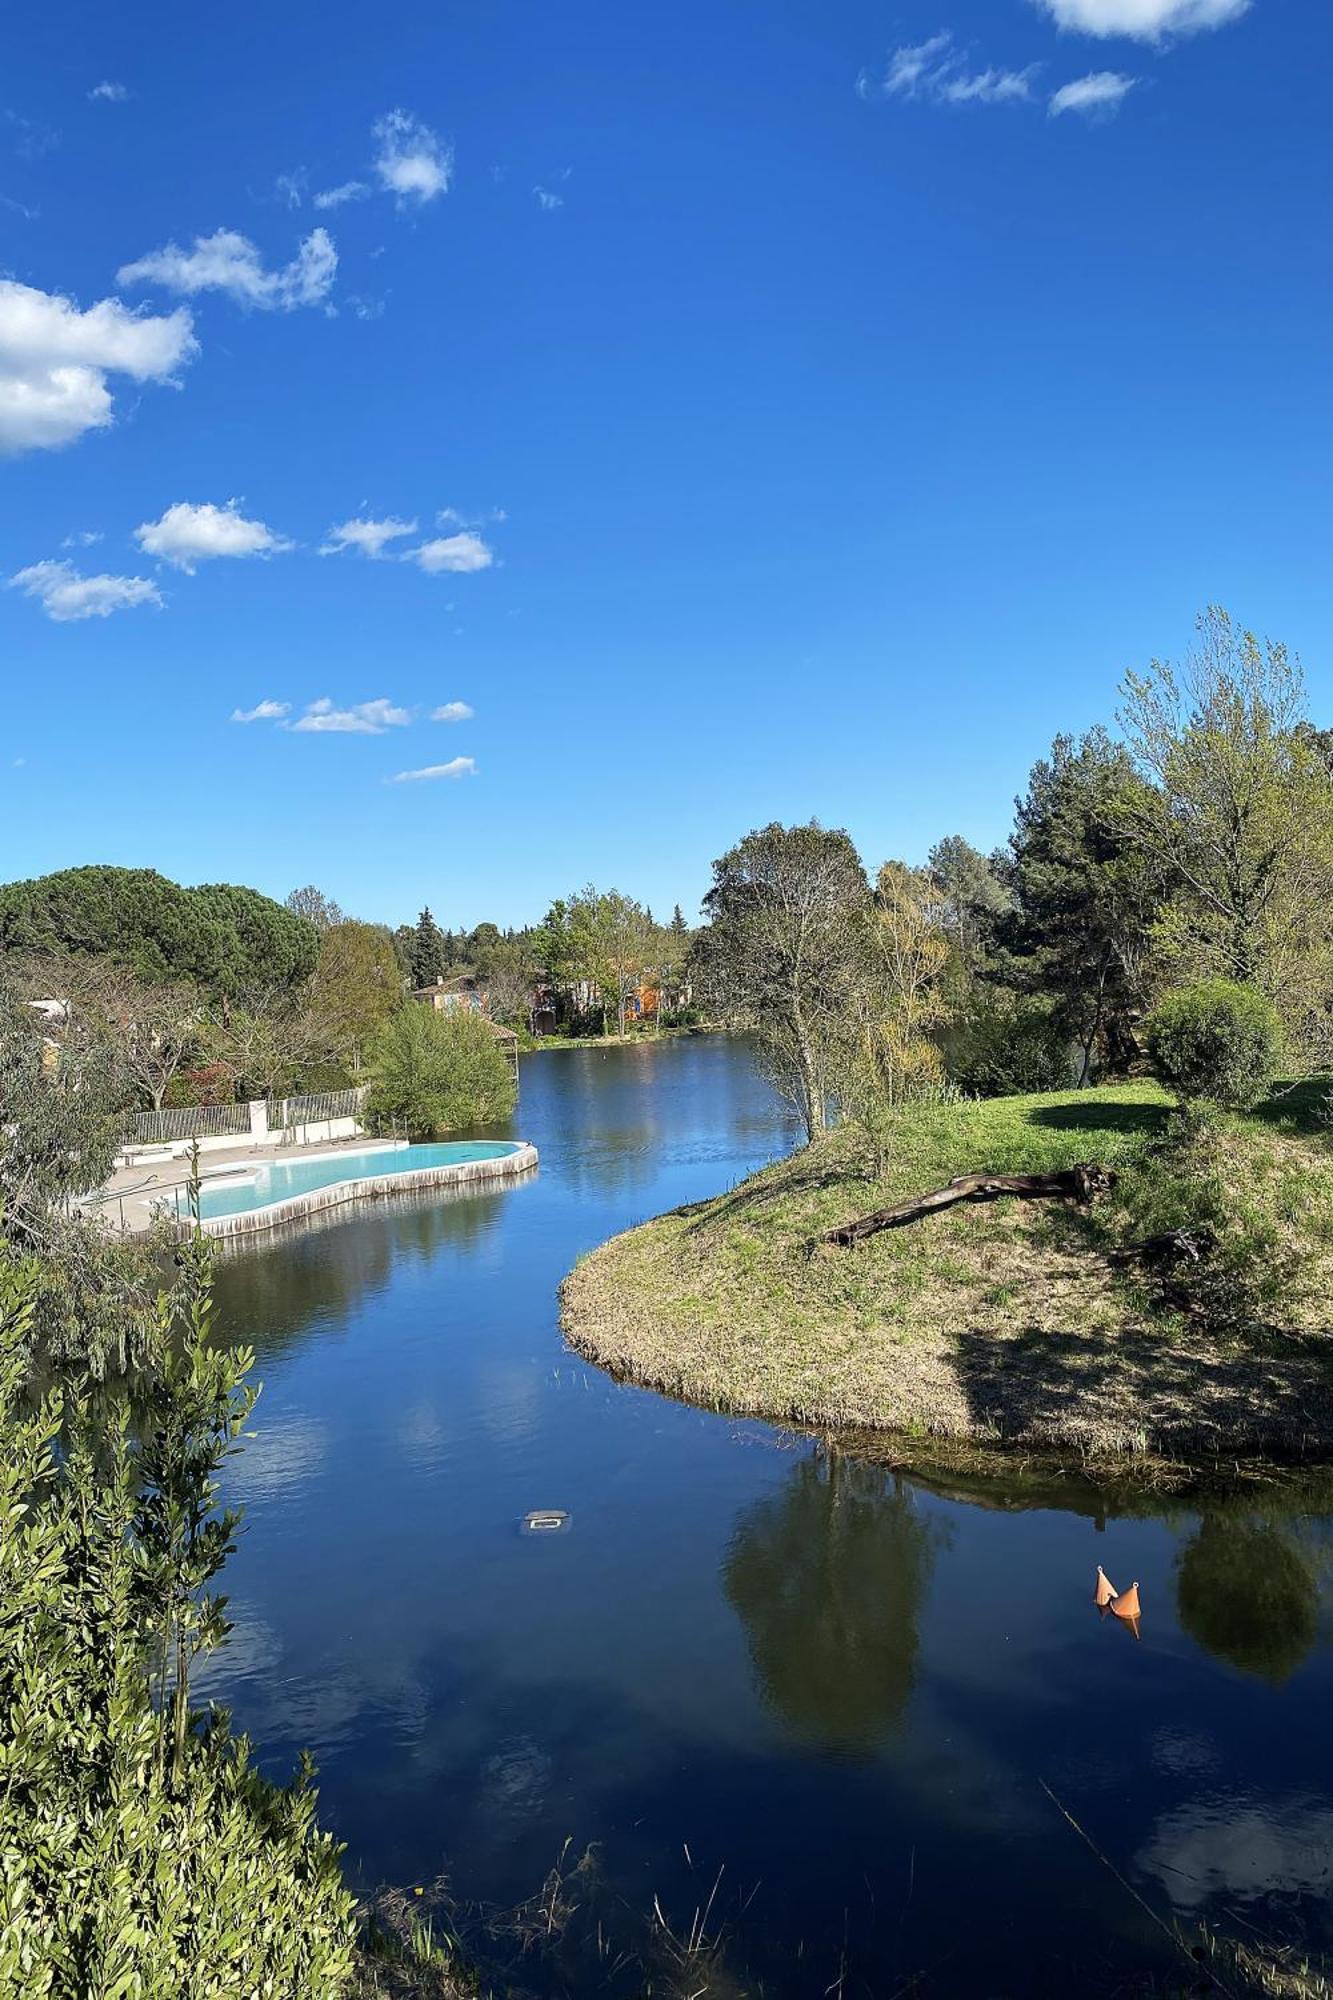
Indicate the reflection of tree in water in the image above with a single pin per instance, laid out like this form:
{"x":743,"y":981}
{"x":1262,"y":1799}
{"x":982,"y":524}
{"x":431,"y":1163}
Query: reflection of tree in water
{"x":829,"y":1577}
{"x":1247,"y":1591}
{"x":319,"y":1271}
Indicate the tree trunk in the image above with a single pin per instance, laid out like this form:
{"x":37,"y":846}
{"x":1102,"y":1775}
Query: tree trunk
{"x":1081,"y":1184}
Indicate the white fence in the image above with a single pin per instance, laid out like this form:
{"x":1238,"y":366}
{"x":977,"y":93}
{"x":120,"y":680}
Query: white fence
{"x":275,"y":1116}
{"x":189,"y":1121}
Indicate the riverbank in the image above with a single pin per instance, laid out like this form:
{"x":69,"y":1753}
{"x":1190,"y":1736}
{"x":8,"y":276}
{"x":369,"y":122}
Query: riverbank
{"x":1009,"y":1324}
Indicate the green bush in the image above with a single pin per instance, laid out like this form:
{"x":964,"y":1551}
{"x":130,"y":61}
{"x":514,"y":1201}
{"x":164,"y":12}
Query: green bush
{"x":141,"y":1853}
{"x":1219,"y":1042}
{"x":1008,"y":1048}
{"x":439,"y":1072}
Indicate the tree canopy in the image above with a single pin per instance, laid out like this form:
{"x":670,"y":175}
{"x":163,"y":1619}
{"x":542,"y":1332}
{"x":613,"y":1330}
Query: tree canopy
{"x":223,"y":937}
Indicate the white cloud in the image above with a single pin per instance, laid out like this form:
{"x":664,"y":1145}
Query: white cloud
{"x":290,"y":188}
{"x":988,"y":86}
{"x":263,"y":711}
{"x":452,"y":711}
{"x":462,"y":553}
{"x":1104,"y":92}
{"x":547,"y":200}
{"x":1142,"y":20}
{"x":412,"y":163}
{"x":228,"y":262}
{"x":65,"y":595}
{"x":368,"y":536}
{"x":54,"y":361}
{"x":349,"y":191}
{"x":365,"y":718}
{"x":108,"y":93}
{"x":187,"y":535}
{"x":84,"y":539}
{"x":457,"y":767}
{"x":936,"y":71}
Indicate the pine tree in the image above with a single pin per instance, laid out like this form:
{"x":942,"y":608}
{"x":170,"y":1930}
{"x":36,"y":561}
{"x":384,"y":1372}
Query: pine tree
{"x":428,"y":953}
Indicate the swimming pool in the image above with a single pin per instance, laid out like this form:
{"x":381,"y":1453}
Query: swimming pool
{"x":275,"y":1190}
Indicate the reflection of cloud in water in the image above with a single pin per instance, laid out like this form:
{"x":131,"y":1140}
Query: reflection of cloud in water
{"x":252,"y":1647}
{"x":274,"y":1461}
{"x":1219,"y":1846}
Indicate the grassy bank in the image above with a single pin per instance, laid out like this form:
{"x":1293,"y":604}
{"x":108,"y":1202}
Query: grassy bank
{"x":1005,"y":1324}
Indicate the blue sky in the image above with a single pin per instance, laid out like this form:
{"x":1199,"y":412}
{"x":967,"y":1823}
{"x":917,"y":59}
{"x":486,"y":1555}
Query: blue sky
{"x":787,"y":409}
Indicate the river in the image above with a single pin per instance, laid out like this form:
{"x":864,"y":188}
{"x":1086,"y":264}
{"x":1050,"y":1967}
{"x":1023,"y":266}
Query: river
{"x":859,"y":1697}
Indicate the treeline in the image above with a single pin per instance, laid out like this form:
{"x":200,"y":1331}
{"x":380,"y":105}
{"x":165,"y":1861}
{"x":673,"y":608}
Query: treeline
{"x":1194,"y":846}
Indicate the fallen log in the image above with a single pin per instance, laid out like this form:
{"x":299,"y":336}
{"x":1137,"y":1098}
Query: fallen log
{"x":1081,"y":1184}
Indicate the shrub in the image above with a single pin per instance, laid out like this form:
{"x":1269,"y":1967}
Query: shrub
{"x":438,"y":1072}
{"x":143,"y":1853}
{"x":1009,"y":1048}
{"x":1219,"y":1042}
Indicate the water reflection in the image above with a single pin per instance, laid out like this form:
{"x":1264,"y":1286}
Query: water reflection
{"x":828,"y":1577}
{"x":1247,"y":1591}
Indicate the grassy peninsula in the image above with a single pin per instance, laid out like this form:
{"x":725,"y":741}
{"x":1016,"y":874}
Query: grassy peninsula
{"x":1010,"y":1323}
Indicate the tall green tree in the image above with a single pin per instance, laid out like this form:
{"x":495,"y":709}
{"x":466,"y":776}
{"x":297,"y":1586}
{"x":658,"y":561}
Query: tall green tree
{"x":355,"y":988}
{"x":1237,"y":812}
{"x":427,"y":953}
{"x":1083,"y":898}
{"x":781,"y":953}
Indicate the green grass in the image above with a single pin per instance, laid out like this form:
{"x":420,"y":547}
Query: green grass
{"x":1001,"y":1323}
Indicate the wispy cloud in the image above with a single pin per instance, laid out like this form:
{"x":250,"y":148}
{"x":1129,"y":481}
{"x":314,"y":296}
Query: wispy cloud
{"x":364,"y":718}
{"x":459,"y":554}
{"x":547,"y":200}
{"x":188,"y":534}
{"x":457,"y":767}
{"x":83,"y":539}
{"x":370,"y":537}
{"x":66,"y":596}
{"x":452,"y":711}
{"x":263,"y":711}
{"x":334,"y":197}
{"x":412,"y":162}
{"x":1142,"y":20}
{"x":108,"y":93}
{"x":937,"y":72}
{"x":228,"y":262}
{"x":55,"y":360}
{"x":1099,"y":95}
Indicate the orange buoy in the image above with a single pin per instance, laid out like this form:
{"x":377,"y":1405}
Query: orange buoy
{"x":1127,"y":1604}
{"x":1105,"y":1589}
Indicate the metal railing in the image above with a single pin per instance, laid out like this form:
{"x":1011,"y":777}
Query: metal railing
{"x":188,"y":1121}
{"x":315,"y":1110}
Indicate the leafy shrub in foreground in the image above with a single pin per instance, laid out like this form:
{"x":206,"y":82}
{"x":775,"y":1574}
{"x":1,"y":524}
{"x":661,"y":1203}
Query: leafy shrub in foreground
{"x":140,"y":1854}
{"x":1218,"y":1041}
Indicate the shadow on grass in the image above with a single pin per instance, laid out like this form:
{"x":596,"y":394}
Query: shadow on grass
{"x":1100,"y":1115}
{"x":819,"y":1173}
{"x":1298,"y":1107}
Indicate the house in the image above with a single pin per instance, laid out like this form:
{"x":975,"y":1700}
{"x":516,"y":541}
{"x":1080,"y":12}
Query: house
{"x":447,"y":996}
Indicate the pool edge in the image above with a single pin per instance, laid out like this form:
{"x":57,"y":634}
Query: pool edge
{"x":251,"y":1221}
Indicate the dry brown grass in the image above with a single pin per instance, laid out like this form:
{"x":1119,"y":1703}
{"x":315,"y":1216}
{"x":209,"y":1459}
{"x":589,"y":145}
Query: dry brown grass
{"x":1002,"y":1324}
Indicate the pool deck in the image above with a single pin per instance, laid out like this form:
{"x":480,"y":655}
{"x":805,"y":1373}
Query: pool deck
{"x":131,"y":1203}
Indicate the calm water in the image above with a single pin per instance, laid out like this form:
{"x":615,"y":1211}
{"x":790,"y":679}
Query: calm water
{"x":847,"y":1689}
{"x":279,"y":1180}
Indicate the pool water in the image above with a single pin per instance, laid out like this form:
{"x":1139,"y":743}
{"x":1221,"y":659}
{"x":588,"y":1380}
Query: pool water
{"x":285,"y":1178}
